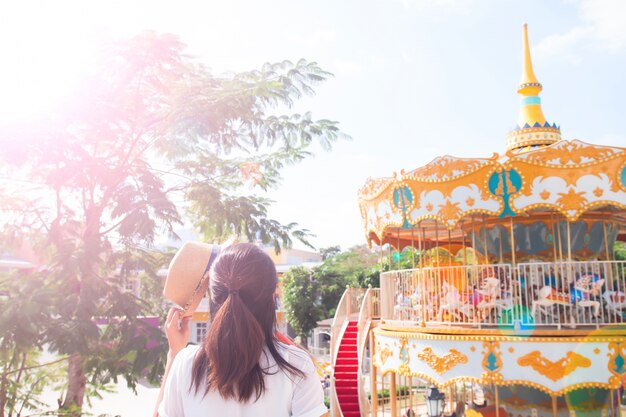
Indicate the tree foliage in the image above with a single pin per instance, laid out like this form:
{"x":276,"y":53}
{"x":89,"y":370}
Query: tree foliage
{"x":313,"y":295}
{"x":301,"y":293}
{"x":329,"y":251}
{"x":620,"y":251}
{"x":149,"y":140}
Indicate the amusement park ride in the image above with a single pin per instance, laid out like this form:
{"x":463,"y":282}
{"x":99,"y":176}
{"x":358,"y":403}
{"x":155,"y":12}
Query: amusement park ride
{"x":515,"y":305}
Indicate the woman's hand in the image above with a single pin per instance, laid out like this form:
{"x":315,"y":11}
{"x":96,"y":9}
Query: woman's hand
{"x":177,"y":336}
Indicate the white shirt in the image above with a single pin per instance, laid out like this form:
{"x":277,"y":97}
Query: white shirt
{"x":285,"y":395}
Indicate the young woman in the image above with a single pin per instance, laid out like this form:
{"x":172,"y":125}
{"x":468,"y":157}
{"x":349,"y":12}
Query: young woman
{"x":241,"y":369}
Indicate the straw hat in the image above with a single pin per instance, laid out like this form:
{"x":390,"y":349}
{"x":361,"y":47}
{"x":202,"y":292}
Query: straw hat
{"x":188,"y":274}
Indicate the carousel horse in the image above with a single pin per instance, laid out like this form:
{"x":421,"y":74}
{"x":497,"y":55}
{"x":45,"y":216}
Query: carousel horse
{"x":615,"y":301}
{"x":453,"y":304}
{"x":547,"y":299}
{"x":586,"y":288}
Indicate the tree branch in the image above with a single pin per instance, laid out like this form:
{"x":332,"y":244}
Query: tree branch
{"x":41,"y":365}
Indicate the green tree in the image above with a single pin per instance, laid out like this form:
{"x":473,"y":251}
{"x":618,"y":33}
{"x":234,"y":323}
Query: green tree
{"x":150,"y":138}
{"x":313,"y":295}
{"x":355,"y":267}
{"x":620,"y":251}
{"x":301,"y":294}
{"x":26,"y":306}
{"x":329,"y":252}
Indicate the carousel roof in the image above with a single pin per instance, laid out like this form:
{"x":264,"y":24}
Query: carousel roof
{"x":539,"y":172}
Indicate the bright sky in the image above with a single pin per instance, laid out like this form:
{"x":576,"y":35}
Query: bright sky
{"x":414,"y":79}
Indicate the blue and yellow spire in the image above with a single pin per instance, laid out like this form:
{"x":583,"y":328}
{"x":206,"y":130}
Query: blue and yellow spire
{"x":532,"y":128}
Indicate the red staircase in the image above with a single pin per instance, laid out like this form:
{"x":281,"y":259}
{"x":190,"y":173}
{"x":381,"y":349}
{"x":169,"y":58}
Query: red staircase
{"x":346,"y":373}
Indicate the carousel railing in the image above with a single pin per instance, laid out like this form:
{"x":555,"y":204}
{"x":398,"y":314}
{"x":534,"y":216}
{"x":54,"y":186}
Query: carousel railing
{"x":369,"y":311}
{"x":568,"y":293}
{"x":347,"y":310}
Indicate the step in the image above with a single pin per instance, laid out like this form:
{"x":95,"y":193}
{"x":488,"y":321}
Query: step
{"x":347,"y":354}
{"x":347,"y":361}
{"x":345,"y":383}
{"x":344,"y":391}
{"x":352,"y":414}
{"x":347,"y":368}
{"x":351,"y":376}
{"x":351,"y":406}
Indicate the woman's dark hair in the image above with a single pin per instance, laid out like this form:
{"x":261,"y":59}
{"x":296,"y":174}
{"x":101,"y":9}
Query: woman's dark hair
{"x":242,"y":287}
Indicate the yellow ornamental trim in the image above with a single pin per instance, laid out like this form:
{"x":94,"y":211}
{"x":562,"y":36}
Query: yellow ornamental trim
{"x":441,"y":364}
{"x":568,"y":153}
{"x":554,"y":370}
{"x":448,"y":167}
{"x":572,"y":200}
{"x":450,"y":210}
{"x":385,"y":353}
{"x":617,"y":362}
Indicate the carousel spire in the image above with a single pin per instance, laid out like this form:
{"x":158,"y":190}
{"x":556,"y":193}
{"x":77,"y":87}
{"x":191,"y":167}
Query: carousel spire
{"x":529,"y":85}
{"x":532,"y":128}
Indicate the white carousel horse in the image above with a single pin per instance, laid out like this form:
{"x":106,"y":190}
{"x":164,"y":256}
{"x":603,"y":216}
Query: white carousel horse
{"x":490,"y":295}
{"x":615,"y":301}
{"x":453,"y":304}
{"x":585,"y":289}
{"x":547,"y":299}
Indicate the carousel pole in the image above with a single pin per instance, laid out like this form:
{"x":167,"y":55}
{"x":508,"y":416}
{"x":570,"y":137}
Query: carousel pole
{"x":555,"y":409}
{"x":485,"y":241}
{"x":411,"y":392}
{"x":412,"y":247}
{"x":495,"y":390}
{"x":560,"y":266}
{"x":464,"y":245}
{"x":421,"y":284}
{"x":517,"y":295}
{"x":569,"y":242}
{"x":558,"y":232}
{"x":437,"y":240}
{"x":399,"y":252}
{"x":382,"y":390}
{"x":450,"y":247}
{"x":570,"y":273}
{"x":606,"y":241}
{"x":437,"y":271}
{"x":392,"y":394}
{"x":475,"y":263}
{"x":553,"y":237}
{"x":421,"y":243}
{"x":474,"y":241}
{"x":500,"y":243}
{"x":608,"y":259}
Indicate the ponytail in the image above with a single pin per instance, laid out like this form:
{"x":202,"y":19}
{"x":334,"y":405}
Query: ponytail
{"x":242,"y":287}
{"x":231,"y":352}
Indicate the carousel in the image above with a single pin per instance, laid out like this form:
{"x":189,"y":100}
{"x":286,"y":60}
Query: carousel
{"x":514,"y":303}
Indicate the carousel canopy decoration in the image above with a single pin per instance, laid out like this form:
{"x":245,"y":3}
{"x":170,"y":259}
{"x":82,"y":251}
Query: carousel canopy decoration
{"x":568,"y":177}
{"x":445,"y":190}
